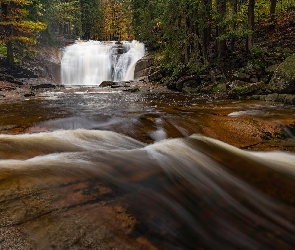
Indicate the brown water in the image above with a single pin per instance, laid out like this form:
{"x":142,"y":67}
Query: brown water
{"x":82,"y":169}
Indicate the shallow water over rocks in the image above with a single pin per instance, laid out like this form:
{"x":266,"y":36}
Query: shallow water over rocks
{"x":90,"y":168}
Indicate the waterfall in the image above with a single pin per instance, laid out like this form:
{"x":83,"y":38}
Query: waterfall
{"x":92,"y":62}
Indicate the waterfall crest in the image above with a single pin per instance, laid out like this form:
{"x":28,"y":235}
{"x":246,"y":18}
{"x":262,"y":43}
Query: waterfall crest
{"x":92,"y":62}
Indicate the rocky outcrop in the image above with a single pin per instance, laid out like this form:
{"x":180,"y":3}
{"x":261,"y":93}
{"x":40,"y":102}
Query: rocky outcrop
{"x":283,"y":80}
{"x":144,"y":66}
{"x":147,"y":67}
{"x":47,"y":65}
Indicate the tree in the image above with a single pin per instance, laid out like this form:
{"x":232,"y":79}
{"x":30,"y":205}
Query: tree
{"x":64,"y":16}
{"x":206,"y":27}
{"x":221,"y":15}
{"x":181,"y":36}
{"x":251,"y":8}
{"x":148,"y":17}
{"x":15,"y":28}
{"x":91,"y":19}
{"x":117,"y":20}
{"x":273,"y":4}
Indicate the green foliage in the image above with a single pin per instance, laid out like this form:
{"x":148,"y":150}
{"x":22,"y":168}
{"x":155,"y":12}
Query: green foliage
{"x":148,"y":22}
{"x":17,"y":30}
{"x":117,"y":16}
{"x":3,"y":49}
{"x":64,"y":16}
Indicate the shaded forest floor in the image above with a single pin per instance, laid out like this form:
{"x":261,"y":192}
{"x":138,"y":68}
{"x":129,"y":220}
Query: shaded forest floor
{"x":273,"y":43}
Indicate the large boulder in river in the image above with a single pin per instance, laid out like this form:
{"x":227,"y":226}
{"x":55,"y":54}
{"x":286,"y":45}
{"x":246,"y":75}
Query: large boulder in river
{"x":145,"y":66}
{"x":283,"y":80}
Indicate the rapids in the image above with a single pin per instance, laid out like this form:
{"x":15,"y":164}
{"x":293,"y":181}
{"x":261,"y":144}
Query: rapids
{"x":178,"y":193}
{"x":94,"y":170}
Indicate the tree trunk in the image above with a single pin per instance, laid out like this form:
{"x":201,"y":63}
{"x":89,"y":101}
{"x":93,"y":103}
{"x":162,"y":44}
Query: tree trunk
{"x":250,"y":40}
{"x":233,"y":40}
{"x":10,"y":57}
{"x":7,"y":34}
{"x":207,"y":28}
{"x":221,"y":10}
{"x":273,"y":4}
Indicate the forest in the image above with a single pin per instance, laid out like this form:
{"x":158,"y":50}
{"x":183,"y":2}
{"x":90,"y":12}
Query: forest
{"x":187,"y":34}
{"x":177,"y":133}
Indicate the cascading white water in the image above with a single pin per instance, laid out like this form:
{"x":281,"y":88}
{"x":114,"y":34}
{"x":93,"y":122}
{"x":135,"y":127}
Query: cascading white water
{"x":92,"y":62}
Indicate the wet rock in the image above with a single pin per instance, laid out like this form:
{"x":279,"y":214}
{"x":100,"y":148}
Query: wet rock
{"x":144,"y":79}
{"x":281,"y":98}
{"x":248,"y":89}
{"x":9,"y":78}
{"x":289,"y":99}
{"x":275,"y":97}
{"x":132,"y":90}
{"x":106,"y":84}
{"x":115,"y":86}
{"x":272,"y":97}
{"x":242,"y":76}
{"x":283,"y":80}
{"x":44,"y":86}
{"x":29,"y":94}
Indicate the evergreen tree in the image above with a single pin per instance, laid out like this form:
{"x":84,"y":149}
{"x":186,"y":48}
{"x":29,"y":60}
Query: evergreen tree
{"x":17,"y":30}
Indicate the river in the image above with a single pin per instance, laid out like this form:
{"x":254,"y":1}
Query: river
{"x":92,"y":168}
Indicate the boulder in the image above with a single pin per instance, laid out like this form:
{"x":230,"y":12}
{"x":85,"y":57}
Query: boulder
{"x":245,"y":90}
{"x":29,"y":94}
{"x":271,"y":69}
{"x":43,"y":86}
{"x":221,"y":87}
{"x":144,"y":66}
{"x":106,"y":84}
{"x":283,"y":80}
{"x":155,"y":76}
{"x":47,"y":65}
{"x":144,"y":72}
{"x":242,"y":76}
{"x":238,"y":84}
{"x":188,"y":81}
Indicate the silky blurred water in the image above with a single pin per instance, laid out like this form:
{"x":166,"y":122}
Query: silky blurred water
{"x":83,"y":153}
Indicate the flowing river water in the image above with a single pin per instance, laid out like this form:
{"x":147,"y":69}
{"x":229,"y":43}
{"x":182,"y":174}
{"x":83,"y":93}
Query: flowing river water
{"x":85,"y":168}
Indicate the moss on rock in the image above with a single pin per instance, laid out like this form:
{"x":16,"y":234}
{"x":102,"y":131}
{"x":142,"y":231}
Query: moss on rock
{"x":283,"y":80}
